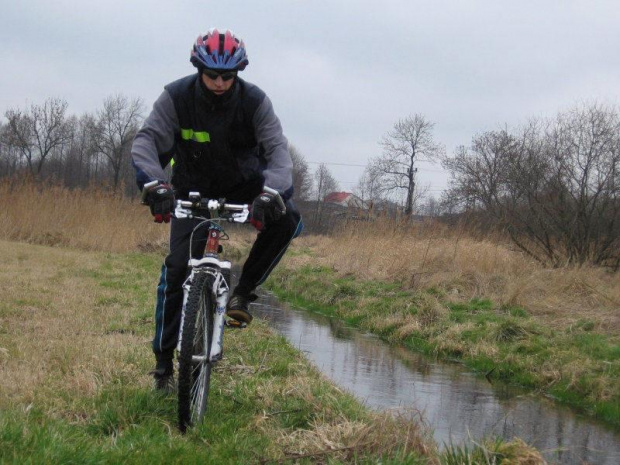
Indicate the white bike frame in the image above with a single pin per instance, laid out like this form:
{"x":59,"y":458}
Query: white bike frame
{"x":213,"y":266}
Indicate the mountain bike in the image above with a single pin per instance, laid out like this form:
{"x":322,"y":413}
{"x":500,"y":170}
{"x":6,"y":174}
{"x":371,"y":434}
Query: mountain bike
{"x":205,"y":297}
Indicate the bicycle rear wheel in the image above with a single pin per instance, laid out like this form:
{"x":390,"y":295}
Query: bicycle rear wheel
{"x":194,"y":365}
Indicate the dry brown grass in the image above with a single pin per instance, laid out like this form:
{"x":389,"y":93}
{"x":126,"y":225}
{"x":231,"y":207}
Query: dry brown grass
{"x":343,"y":439}
{"x":95,"y":219}
{"x":466,"y":267}
{"x":90,"y":220}
{"x":54,"y":330}
{"x":424,"y":256}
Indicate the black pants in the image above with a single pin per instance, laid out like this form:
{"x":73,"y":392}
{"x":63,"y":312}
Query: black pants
{"x":266,"y":252}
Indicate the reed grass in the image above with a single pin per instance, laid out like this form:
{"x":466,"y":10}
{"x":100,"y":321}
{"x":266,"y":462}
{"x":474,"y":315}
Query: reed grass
{"x":463,"y":265}
{"x":93,"y":219}
{"x":96,"y":219}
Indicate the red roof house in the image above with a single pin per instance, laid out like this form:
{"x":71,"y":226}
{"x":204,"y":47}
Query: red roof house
{"x":344,"y":199}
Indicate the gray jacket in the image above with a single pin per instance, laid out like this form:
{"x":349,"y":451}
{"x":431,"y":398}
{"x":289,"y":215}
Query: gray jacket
{"x":220,"y":144}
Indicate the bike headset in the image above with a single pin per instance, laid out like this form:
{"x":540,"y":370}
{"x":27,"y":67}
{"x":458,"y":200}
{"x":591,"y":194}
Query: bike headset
{"x":215,"y":221}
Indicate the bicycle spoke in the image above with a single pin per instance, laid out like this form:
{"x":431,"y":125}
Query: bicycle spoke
{"x":199,"y":374}
{"x":195,"y":354}
{"x":197,"y":396}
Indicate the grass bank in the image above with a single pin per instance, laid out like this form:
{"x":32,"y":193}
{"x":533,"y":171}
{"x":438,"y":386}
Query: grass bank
{"x":76,"y":320}
{"x":74,"y":357}
{"x":455,"y":310}
{"x":75,"y":332}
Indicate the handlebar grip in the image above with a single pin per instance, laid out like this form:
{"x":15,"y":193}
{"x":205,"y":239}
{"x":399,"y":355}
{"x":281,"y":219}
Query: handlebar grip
{"x":278,"y":197}
{"x":145,"y":190}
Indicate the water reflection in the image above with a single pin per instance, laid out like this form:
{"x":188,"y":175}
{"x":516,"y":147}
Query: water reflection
{"x":458,"y":406}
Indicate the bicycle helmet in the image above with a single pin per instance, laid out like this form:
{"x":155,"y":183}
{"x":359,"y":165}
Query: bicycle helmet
{"x":218,"y":50}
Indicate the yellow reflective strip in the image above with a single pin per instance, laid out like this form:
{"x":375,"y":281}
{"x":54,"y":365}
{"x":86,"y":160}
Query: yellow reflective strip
{"x":202,"y":137}
{"x":198,"y":136}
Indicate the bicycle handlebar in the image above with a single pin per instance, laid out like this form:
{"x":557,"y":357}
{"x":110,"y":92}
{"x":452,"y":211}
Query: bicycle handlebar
{"x":186,"y":208}
{"x":239,"y":213}
{"x":278,"y":197}
{"x":145,"y":190}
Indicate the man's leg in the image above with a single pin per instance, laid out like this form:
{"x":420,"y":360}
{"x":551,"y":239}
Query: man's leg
{"x":265,"y":254}
{"x":170,"y":295}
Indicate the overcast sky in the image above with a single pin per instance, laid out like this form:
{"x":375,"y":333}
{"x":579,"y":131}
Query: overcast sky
{"x":339,"y":73}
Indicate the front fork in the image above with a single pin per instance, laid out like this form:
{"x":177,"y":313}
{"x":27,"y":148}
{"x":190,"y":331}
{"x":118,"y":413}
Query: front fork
{"x":217,"y":341}
{"x":221,"y":291}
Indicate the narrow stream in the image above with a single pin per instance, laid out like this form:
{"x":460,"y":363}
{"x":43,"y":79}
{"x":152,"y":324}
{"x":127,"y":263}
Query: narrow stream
{"x":458,"y":406}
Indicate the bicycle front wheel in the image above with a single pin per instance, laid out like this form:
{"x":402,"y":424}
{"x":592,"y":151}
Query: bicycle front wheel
{"x":194,"y":365}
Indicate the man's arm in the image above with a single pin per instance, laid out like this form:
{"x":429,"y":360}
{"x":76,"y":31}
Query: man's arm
{"x":279,"y":172}
{"x":154,"y":144}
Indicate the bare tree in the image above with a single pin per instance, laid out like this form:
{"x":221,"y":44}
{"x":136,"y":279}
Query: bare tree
{"x":552,"y":185}
{"x":324,"y":184}
{"x":369,"y":185}
{"x":7,"y":162}
{"x":432,"y":207}
{"x":116,"y":126}
{"x":411,"y":140}
{"x":38,"y":132}
{"x":479,"y":172}
{"x":80,"y":158}
{"x":583,"y":148}
{"x":302,"y":181}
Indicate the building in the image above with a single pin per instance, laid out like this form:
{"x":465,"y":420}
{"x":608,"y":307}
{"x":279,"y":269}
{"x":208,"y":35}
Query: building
{"x":345,"y":200}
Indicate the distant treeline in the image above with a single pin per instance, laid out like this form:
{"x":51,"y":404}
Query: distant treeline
{"x":552,"y":185}
{"x":45,"y":143}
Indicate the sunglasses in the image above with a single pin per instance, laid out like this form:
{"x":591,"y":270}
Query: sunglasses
{"x":225,"y":75}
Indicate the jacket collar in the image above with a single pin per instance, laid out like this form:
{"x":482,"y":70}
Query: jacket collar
{"x":216,"y":101}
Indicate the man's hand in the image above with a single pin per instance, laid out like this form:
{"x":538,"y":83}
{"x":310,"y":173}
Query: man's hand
{"x":161,"y":200}
{"x":265,"y":210}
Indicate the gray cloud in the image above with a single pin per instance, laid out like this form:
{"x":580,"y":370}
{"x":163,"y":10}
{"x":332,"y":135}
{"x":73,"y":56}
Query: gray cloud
{"x":339,"y":73}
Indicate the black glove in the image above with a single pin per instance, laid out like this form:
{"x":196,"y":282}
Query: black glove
{"x":265,"y":210}
{"x":161,"y":200}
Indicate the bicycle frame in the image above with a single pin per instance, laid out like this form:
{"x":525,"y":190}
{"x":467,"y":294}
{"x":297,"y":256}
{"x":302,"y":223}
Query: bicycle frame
{"x":211,"y":264}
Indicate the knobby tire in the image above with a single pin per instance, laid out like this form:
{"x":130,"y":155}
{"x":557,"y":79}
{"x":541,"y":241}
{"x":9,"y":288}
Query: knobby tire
{"x":195,"y":378}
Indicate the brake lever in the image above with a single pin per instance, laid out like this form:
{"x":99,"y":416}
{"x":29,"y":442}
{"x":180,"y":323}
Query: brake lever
{"x":180,"y":212}
{"x":240,"y":217}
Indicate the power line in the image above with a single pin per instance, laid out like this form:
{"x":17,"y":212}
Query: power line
{"x":432,"y":189}
{"x":364,"y":166}
{"x":331,"y":163}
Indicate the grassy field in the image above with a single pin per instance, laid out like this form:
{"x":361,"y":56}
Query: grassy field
{"x":76,"y":318}
{"x":75,"y":355}
{"x":475,"y":300}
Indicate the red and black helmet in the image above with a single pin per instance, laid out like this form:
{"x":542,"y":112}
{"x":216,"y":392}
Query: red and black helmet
{"x":219,"y":50}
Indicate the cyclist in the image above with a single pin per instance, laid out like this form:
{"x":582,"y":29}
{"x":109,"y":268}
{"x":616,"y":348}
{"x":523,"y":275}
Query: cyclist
{"x":223,"y":139}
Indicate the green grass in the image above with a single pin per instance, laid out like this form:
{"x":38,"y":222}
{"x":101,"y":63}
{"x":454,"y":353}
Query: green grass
{"x":578,"y":366}
{"x":490,"y":453}
{"x":87,"y":397}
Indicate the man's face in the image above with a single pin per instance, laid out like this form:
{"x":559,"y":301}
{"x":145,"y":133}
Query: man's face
{"x":218,"y":82}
